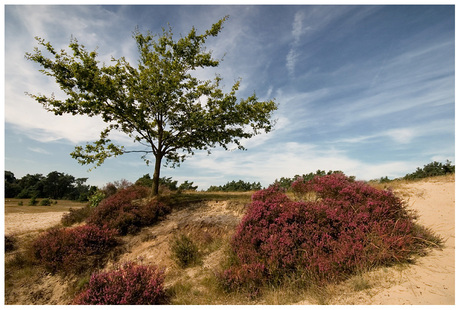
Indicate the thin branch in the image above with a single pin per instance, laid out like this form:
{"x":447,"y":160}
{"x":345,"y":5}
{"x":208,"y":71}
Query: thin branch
{"x":132,"y":123}
{"x":124,"y":152}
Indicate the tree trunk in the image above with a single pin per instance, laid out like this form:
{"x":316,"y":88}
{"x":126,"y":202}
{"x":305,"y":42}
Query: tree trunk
{"x":156,"y":175}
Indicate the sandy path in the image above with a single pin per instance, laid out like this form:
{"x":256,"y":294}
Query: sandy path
{"x":20,"y":223}
{"x":431,"y":281}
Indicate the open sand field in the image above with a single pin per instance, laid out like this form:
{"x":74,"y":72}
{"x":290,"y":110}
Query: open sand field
{"x":430,"y":281}
{"x":20,"y":223}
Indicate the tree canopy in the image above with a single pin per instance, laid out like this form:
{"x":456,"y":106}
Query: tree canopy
{"x":159,"y":103}
{"x":55,"y":185}
{"x":430,"y":170}
{"x":236,"y":186}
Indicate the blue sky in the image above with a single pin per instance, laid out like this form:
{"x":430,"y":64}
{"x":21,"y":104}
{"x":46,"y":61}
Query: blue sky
{"x":368,"y":90}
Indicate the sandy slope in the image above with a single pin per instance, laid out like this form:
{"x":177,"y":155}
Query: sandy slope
{"x":431,"y":281}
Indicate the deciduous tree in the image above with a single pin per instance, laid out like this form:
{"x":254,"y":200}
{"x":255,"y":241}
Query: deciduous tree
{"x":160,"y":104}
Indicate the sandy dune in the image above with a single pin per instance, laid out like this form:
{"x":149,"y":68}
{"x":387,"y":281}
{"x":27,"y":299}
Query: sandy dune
{"x":430,"y":281}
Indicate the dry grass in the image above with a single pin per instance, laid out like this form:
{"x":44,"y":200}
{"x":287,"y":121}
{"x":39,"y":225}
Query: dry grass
{"x":13,"y":205}
{"x":401,"y":184}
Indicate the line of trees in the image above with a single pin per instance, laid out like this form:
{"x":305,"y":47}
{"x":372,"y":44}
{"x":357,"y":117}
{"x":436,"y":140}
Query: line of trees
{"x":430,"y":170}
{"x":56,"y":185}
{"x":236,"y":186}
{"x":286,"y":182}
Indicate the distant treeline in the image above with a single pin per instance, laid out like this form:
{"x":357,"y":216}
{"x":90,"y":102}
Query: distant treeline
{"x":236,"y":186}
{"x":286,"y":182}
{"x":429,"y":170}
{"x":56,"y":185}
{"x":172,"y":185}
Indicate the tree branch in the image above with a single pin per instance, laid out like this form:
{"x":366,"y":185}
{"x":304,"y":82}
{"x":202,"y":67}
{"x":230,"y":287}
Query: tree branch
{"x":125,"y":152}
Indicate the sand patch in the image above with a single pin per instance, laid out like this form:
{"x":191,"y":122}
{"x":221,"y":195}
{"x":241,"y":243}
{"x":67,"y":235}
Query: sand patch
{"x":21,"y":223}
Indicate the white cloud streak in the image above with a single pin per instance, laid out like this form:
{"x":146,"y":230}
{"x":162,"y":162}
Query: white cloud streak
{"x":22,"y":76}
{"x":405,"y":135}
{"x":287,"y":159}
{"x":297,"y":31}
{"x":39,"y":150}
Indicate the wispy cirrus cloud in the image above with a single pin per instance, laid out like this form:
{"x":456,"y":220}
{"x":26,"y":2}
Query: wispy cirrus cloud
{"x":368,"y":90}
{"x":405,"y":135}
{"x":298,"y":29}
{"x":286,"y":159}
{"x":39,"y":150}
{"x":85,"y":23}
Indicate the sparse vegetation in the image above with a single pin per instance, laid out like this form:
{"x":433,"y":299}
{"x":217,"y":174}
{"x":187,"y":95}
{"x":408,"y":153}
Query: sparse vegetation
{"x":16,"y":205}
{"x":10,"y":243}
{"x":185,"y":252}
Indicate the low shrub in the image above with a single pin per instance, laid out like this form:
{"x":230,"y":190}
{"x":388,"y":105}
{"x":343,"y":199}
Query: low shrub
{"x":126,"y":212}
{"x":10,"y":243}
{"x":130,"y":284}
{"x":33,"y":201}
{"x":72,"y":250}
{"x":76,"y":216}
{"x":96,"y":198}
{"x":185,"y":251}
{"x":350,"y":226}
{"x":45,"y":202}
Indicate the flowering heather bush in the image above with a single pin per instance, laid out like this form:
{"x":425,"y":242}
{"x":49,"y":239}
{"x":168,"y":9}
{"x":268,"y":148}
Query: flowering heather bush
{"x":348,"y":227}
{"x":300,"y":188}
{"x":130,"y":284}
{"x":120,"y":211}
{"x":73,"y":249}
